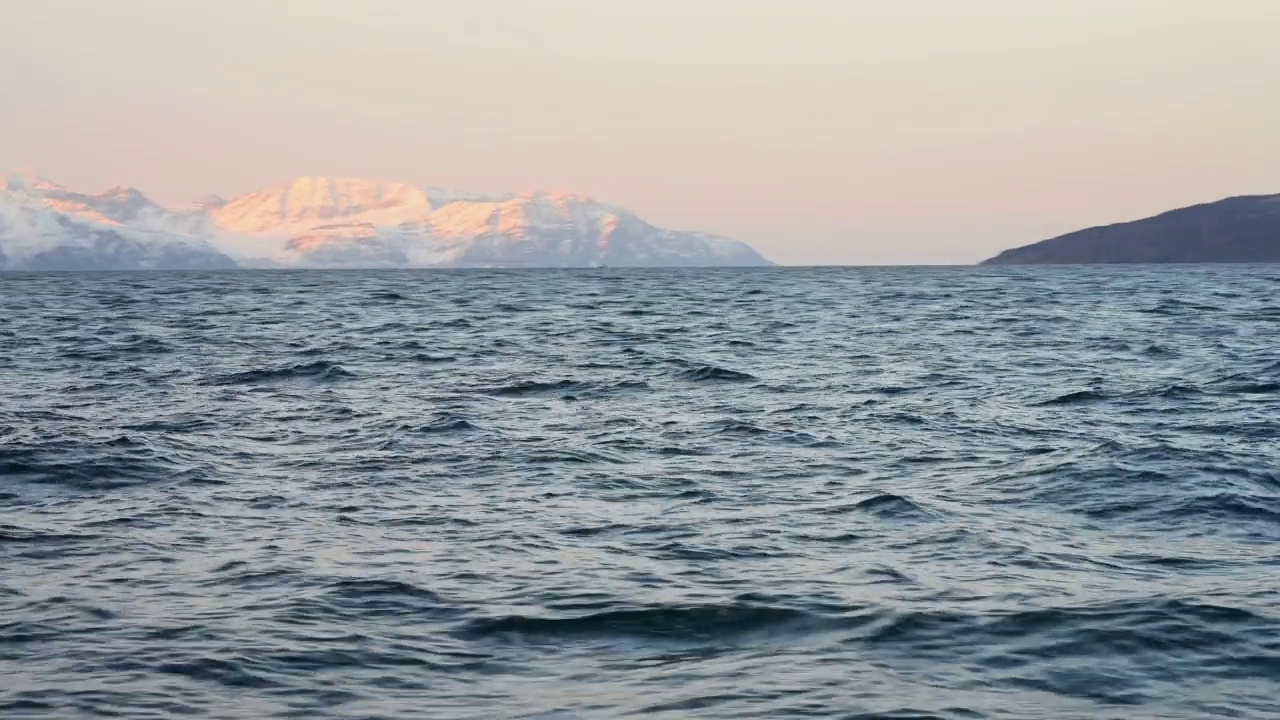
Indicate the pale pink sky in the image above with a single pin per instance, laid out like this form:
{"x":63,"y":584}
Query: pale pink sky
{"x":820,"y":131}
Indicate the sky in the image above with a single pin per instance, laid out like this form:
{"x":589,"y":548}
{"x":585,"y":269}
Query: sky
{"x":819,"y":131}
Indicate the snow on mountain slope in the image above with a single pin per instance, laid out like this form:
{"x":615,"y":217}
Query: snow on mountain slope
{"x":308,"y":201}
{"x":345,"y":222}
{"x":342,"y":222}
{"x":571,"y":230}
{"x":44,"y":226}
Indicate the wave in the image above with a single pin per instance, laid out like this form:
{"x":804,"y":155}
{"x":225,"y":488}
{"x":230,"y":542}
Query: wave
{"x":143,"y":345}
{"x":529,"y":387}
{"x":1015,"y":636}
{"x":656,"y":622}
{"x":18,"y":534}
{"x":571,"y":455}
{"x":1075,"y":398}
{"x":1176,"y":391}
{"x":229,"y":673}
{"x":890,"y":505}
{"x":1252,"y":388}
{"x":356,"y":599}
{"x":885,"y":505}
{"x":1229,"y":506}
{"x":120,"y":462}
{"x":379,"y":590}
{"x":191,"y":424}
{"x":430,"y":359}
{"x":319,"y":371}
{"x":739,"y":427}
{"x":1126,"y":627}
{"x":106,"y":352}
{"x":1171,"y":306}
{"x":711,"y":373}
{"x":442,"y":424}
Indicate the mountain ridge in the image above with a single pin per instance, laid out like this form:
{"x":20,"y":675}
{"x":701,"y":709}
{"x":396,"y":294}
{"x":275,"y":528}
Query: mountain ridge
{"x":1235,"y":229}
{"x":322,"y":221}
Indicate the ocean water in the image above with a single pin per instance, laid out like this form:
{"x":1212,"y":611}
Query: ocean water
{"x":785,"y":493}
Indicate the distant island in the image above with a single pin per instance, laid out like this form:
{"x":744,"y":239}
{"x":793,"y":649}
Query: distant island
{"x":1244,"y":229}
{"x":322,"y":222}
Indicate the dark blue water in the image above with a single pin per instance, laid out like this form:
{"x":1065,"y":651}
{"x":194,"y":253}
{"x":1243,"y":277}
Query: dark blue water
{"x":880,"y":493}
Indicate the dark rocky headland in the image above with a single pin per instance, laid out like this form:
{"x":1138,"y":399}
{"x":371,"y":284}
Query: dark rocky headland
{"x":1244,"y":229}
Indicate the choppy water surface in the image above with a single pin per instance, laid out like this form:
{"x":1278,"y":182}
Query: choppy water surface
{"x":882,"y":493}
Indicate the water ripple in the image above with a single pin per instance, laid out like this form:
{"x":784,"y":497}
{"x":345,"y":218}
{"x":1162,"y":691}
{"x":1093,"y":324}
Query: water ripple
{"x":901,"y":493}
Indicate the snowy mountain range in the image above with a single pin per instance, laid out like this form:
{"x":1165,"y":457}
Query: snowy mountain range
{"x":336,"y":223}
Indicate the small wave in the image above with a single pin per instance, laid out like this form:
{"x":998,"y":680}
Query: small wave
{"x":711,"y":373}
{"x":379,"y":589}
{"x":360,"y":599}
{"x":265,"y":578}
{"x":1176,"y":307}
{"x":429,"y":359}
{"x":234,"y":674}
{"x":514,"y":308}
{"x":568,"y":455}
{"x":521,"y":389}
{"x":1260,"y":376}
{"x":319,"y":371}
{"x":118,"y":463}
{"x":682,"y":451}
{"x":739,"y":427}
{"x":882,"y":575}
{"x":660,"y":622}
{"x":1174,"y":561}
{"x":1075,"y":398}
{"x":890,"y":505}
{"x":884,"y":505}
{"x":594,"y":530}
{"x":912,"y":714}
{"x":1237,"y":506}
{"x":143,"y":345}
{"x":18,"y":534}
{"x":189,"y":425}
{"x":444,"y":424}
{"x":1125,"y":626}
{"x":1175,"y":391}
{"x":1252,"y":388}
{"x":91,"y":356}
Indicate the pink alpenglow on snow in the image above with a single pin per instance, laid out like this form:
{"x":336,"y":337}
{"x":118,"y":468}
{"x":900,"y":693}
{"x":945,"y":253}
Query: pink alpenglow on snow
{"x":337,"y":222}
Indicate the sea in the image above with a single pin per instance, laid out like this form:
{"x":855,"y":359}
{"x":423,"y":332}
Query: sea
{"x":900,"y":493}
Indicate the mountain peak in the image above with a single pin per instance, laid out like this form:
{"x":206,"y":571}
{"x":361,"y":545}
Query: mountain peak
{"x":27,"y":179}
{"x":208,"y":203}
{"x":322,"y":221}
{"x":557,"y":196}
{"x":337,"y":185}
{"x":310,"y":198}
{"x":122,"y":195}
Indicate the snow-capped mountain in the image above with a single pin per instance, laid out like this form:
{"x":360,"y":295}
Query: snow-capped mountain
{"x":338,"y":222}
{"x":44,"y":226}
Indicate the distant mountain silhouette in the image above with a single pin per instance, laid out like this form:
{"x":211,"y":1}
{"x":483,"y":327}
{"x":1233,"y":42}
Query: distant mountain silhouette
{"x":338,"y":223}
{"x":1235,"y":230}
